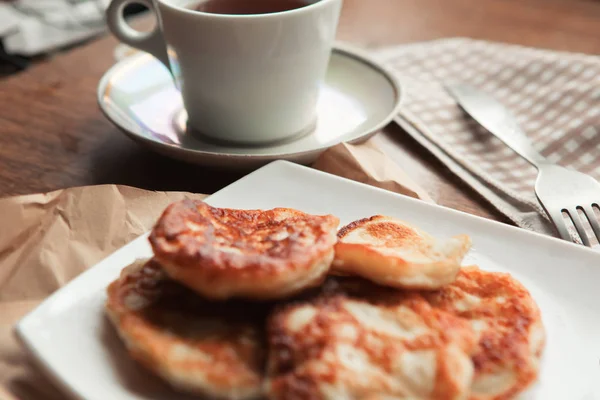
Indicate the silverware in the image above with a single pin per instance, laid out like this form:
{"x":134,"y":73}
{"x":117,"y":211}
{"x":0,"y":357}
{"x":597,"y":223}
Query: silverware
{"x":565,"y":194}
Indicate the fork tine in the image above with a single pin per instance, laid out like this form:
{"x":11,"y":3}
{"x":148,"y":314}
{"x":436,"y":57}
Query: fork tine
{"x":579,"y":227}
{"x":559,"y":222}
{"x":591,"y":217}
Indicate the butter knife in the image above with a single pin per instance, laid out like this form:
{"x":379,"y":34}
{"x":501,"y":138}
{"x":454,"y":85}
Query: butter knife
{"x":567,"y":196}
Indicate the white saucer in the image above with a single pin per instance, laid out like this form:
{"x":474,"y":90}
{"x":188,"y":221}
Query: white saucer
{"x":358,"y":98}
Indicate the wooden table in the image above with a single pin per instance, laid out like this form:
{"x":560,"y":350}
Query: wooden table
{"x":52,"y":134}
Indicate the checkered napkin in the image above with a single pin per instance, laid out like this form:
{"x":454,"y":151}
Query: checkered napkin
{"x":555,"y":97}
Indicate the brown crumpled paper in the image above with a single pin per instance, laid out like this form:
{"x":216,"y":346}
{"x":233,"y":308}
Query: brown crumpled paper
{"x":368,"y":164}
{"x":48,"y":239}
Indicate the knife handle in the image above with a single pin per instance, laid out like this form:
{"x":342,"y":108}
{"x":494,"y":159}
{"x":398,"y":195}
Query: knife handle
{"x":513,"y":137}
{"x":494,"y":117}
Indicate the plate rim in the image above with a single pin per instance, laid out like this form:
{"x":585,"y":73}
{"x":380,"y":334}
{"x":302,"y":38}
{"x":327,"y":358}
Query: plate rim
{"x":348,"y":50}
{"x":21,"y":331}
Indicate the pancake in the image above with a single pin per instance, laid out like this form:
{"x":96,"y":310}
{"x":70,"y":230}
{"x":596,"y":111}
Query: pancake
{"x":197,"y":346}
{"x":363,"y":341}
{"x":508,"y":323}
{"x":393,"y":253}
{"x":223,"y":253}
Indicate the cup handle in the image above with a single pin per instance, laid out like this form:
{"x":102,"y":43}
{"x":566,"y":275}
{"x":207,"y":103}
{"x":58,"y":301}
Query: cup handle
{"x":150,"y":42}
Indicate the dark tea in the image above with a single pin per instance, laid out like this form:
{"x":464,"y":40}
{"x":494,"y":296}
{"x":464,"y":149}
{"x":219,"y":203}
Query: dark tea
{"x":238,"y":7}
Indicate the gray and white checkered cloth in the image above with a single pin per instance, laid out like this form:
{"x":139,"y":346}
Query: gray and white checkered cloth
{"x":555,"y":97}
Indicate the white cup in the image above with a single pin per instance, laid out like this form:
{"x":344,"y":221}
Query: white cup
{"x":251,"y":78}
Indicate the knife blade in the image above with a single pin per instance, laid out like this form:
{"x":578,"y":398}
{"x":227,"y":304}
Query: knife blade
{"x":495,"y":118}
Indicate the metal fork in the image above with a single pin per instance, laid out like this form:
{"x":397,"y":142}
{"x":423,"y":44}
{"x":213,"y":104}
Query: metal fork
{"x":562,"y":192}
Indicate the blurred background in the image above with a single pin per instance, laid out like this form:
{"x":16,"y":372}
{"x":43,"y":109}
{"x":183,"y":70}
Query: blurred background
{"x":32,"y":29}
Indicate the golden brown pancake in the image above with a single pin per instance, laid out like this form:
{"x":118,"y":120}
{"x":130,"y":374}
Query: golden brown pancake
{"x":393,"y":253}
{"x":197,"y":346}
{"x":363,"y":341}
{"x":509,"y":327}
{"x":222,"y":253}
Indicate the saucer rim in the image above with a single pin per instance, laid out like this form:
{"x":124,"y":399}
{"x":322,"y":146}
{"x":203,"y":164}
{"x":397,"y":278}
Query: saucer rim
{"x":216,"y":157}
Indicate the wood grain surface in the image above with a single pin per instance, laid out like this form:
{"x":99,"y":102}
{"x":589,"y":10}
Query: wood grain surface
{"x":53,"y":135}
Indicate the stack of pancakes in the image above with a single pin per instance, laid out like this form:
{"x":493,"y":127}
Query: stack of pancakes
{"x":277,"y":304}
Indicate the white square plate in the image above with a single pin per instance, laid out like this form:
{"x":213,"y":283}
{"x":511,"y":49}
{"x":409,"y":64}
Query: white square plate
{"x":72,"y":340}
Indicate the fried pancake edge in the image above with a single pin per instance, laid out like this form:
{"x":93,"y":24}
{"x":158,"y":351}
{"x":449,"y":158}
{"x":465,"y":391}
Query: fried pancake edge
{"x":511,"y":334}
{"x":157,"y":351}
{"x":200,"y":263}
{"x":305,"y":360}
{"x":372,"y":263}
